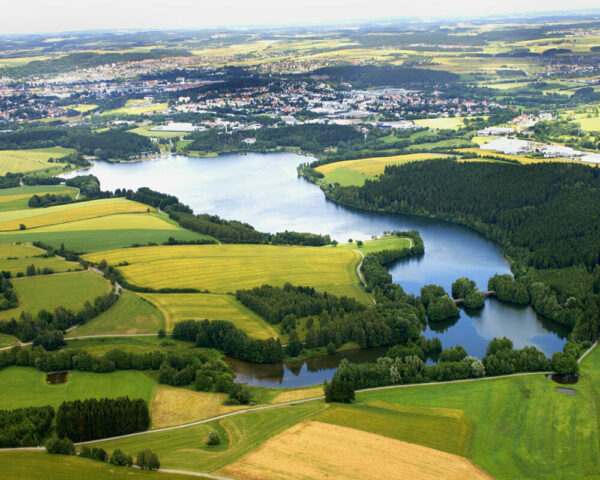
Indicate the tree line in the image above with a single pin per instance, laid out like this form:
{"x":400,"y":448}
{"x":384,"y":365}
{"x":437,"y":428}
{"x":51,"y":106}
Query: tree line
{"x":25,"y":427}
{"x":83,"y":420}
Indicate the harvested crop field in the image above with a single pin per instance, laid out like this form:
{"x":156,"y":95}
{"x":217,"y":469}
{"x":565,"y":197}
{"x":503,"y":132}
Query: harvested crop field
{"x":314,"y":450}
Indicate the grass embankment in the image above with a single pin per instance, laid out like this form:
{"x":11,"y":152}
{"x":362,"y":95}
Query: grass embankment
{"x":130,"y":315}
{"x":227,"y":268}
{"x":355,"y":172}
{"x":109,"y":229}
{"x":199,"y":306}
{"x":26,"y":386}
{"x":69,"y":290}
{"x":17,"y":198}
{"x":40,"y":465}
{"x":33,"y":160}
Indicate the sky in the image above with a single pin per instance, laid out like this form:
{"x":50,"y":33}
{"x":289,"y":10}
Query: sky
{"x":41,"y":16}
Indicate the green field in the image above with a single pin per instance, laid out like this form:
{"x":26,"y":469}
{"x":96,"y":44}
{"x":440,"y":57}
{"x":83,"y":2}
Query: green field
{"x":69,"y":290}
{"x":17,"y":198}
{"x":40,"y":465}
{"x":227,"y":268}
{"x":106,"y":232}
{"x":56,"y":264}
{"x":7,"y":340}
{"x":385,"y":242}
{"x":146,"y":131}
{"x":138,"y":107}
{"x":33,"y":160}
{"x":441,"y":123}
{"x":26,"y":386}
{"x":130,"y":315}
{"x":184,"y":448}
{"x":200,"y":306}
{"x":11,"y":250}
{"x":355,"y":172}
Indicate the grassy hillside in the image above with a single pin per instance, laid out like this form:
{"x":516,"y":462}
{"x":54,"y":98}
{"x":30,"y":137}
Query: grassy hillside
{"x":385,"y":242}
{"x":355,"y":172}
{"x":17,"y":198}
{"x":226,"y":268}
{"x":200,"y":306}
{"x":130,"y":315}
{"x":40,"y":465}
{"x":34,"y":160}
{"x":26,"y":386}
{"x":69,"y":290}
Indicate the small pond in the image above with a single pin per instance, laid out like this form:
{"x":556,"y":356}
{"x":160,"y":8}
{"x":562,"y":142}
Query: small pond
{"x":54,"y":378}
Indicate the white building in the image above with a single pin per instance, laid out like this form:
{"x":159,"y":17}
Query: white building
{"x":509,"y":146}
{"x":176,"y":127}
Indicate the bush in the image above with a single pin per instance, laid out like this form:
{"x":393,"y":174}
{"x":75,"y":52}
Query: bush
{"x":60,"y":446}
{"x":564,"y":364}
{"x":339,"y":390}
{"x":147,"y":460}
{"x":213,"y":439}
{"x":240,"y":394}
{"x":120,"y":459}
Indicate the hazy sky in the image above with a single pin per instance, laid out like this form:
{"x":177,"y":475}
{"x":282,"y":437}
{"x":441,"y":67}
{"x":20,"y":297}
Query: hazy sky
{"x":35,"y":16}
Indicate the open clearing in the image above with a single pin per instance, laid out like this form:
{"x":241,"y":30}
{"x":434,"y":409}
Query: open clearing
{"x":227,"y":268}
{"x":355,"y":172}
{"x":40,"y":465}
{"x":69,"y":290}
{"x":26,"y":386}
{"x":107,"y":232}
{"x":175,"y":406}
{"x":7,"y":340}
{"x":130,"y":315}
{"x":33,"y":160}
{"x":201,"y":306}
{"x":17,"y":198}
{"x":385,"y":242}
{"x":138,"y":107}
{"x":315,"y":450}
{"x":40,"y":217}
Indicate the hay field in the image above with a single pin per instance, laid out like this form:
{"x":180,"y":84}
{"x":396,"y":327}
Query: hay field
{"x":355,"y":172}
{"x":315,"y":450}
{"x":227,"y":268}
{"x":14,"y":250}
{"x":175,"y":406}
{"x":130,"y":315}
{"x":199,"y":306}
{"x":69,"y":290}
{"x":39,"y":217}
{"x":26,"y":161}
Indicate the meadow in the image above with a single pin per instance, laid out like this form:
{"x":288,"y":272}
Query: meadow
{"x":129,"y":316}
{"x":19,"y":265}
{"x":33,"y":160}
{"x":227,"y":268}
{"x":7,"y":340}
{"x":355,"y":172}
{"x":17,"y":198}
{"x":199,"y":306}
{"x":112,"y":230}
{"x":444,"y":123}
{"x":138,"y":107}
{"x":26,"y":386}
{"x":385,"y":242}
{"x":69,"y":290}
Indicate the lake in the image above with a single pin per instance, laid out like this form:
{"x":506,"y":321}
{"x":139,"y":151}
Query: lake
{"x":265,"y":191}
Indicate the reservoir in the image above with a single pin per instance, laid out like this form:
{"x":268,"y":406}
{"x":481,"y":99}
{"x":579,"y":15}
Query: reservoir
{"x":265,"y":191}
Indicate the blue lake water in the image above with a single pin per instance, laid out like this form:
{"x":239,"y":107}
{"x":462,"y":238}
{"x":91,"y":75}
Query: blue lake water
{"x":265,"y":191}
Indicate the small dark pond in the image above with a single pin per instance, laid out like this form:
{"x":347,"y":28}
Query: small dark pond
{"x":568,"y":379}
{"x":54,"y":378}
{"x":566,"y":391}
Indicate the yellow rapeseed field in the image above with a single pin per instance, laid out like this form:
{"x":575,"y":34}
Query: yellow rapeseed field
{"x":227,"y":268}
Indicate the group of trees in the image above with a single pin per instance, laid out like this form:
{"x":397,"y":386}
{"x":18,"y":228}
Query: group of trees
{"x":83,"y":420}
{"x":439,"y":305}
{"x":48,"y":200}
{"x":8,"y":297}
{"x":25,"y":427}
{"x":224,"y":336}
{"x":28,"y":327}
{"x":467,"y":290}
{"x":274,"y":304}
{"x":88,"y":185}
